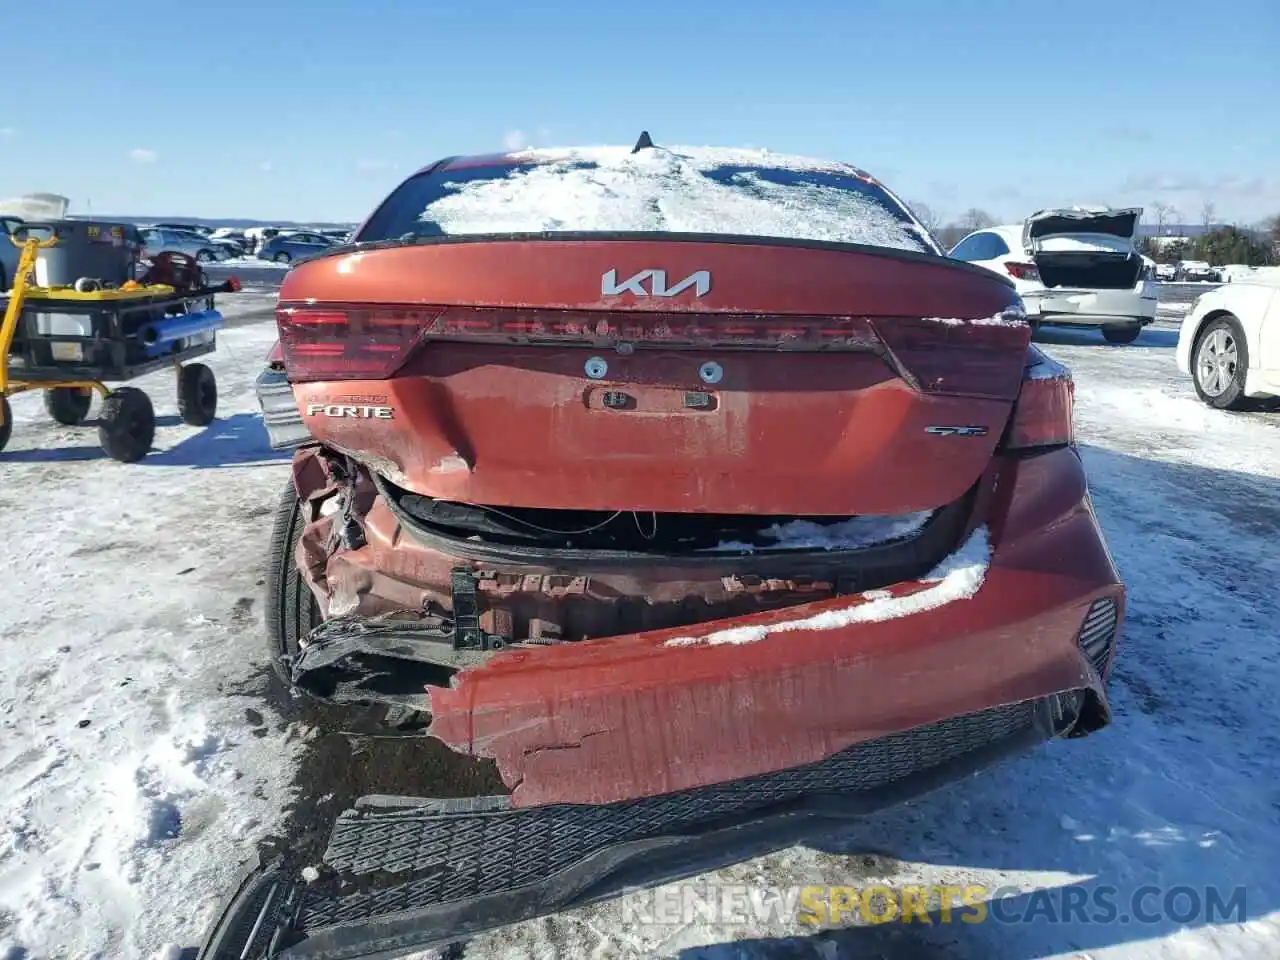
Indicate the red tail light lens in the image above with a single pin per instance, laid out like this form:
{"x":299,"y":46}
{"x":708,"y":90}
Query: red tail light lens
{"x":1042,"y":416}
{"x":349,"y":344}
{"x":1023,"y":271}
{"x":971,"y":358}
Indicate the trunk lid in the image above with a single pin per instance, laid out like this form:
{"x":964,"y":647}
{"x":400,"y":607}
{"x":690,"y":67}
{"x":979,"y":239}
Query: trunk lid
{"x":657,"y":373}
{"x":1075,"y":221}
{"x":1085,"y":248}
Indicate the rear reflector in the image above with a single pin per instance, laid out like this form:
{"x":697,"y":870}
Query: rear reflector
{"x":1098,"y":634}
{"x":1042,"y":416}
{"x":1023,"y":271}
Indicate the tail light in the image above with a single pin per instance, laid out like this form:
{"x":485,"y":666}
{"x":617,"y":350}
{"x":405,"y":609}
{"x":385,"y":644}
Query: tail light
{"x":1023,"y":271}
{"x":1042,"y":415}
{"x":349,"y":344}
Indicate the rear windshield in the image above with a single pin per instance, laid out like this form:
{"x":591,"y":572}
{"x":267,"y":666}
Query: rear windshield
{"x":611,"y":190}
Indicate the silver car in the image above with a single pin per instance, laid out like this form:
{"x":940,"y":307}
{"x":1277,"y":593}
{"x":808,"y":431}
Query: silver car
{"x":176,"y":241}
{"x":295,"y":245}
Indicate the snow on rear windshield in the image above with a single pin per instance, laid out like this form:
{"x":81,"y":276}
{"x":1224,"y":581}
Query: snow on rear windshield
{"x":679,"y":190}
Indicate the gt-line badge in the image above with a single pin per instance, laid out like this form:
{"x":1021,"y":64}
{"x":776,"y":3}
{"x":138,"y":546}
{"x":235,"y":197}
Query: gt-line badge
{"x":958,"y":431}
{"x":350,"y":411}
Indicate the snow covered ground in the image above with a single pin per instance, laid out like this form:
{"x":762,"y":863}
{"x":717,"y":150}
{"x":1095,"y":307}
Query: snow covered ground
{"x":134,"y":762}
{"x":139,"y":760}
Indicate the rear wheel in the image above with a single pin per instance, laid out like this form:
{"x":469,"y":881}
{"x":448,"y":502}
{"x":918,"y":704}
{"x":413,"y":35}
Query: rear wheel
{"x":292,"y":611}
{"x":1219,"y":363}
{"x":6,"y":428}
{"x":1126,"y":333}
{"x":68,"y":405}
{"x":197,"y":395}
{"x":206,"y":256}
{"x":126,"y":424}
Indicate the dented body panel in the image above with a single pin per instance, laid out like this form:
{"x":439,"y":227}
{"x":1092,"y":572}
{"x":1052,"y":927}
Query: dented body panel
{"x":610,"y":719}
{"x":521,"y":426}
{"x":807,"y":379}
{"x":629,"y":714}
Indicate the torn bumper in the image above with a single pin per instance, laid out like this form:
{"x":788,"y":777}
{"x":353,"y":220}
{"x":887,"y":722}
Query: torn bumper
{"x":635,"y":716}
{"x":425,"y":873}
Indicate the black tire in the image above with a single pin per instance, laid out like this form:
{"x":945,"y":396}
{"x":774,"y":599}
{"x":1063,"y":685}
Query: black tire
{"x":197,"y":395}
{"x":206,"y":256}
{"x":291,"y":610}
{"x":1122,"y":334}
{"x":6,"y":428}
{"x":69,"y":406}
{"x":1232,"y":398}
{"x":282,"y":257}
{"x":126,"y":424}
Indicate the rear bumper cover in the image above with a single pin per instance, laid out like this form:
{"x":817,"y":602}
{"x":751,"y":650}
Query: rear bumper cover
{"x":625,"y":717}
{"x":634,"y":763}
{"x":431,"y":872}
{"x":1094,"y":307}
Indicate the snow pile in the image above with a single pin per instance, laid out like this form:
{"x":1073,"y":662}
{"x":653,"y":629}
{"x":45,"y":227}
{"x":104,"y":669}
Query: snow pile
{"x":958,"y":577}
{"x":682,"y":190}
{"x":1092,"y":243}
{"x":851,"y":534}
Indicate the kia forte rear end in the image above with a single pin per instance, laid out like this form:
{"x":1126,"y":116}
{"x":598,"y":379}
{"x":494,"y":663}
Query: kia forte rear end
{"x":676,"y":477}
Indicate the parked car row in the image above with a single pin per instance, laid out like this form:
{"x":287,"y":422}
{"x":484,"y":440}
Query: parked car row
{"x":207,"y":244}
{"x":1198,"y":271}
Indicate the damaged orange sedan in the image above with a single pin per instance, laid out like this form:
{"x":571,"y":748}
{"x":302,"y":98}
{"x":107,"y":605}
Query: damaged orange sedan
{"x":694,"y":487}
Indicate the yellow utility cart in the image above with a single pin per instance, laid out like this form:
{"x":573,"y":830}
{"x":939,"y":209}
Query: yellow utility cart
{"x":70,"y":340}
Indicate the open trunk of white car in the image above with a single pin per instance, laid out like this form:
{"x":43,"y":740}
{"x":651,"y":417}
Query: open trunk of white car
{"x":1085,"y":249}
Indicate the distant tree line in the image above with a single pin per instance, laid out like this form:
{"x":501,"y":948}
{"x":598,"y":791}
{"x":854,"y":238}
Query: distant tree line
{"x":949,"y":234}
{"x":1219,"y":246}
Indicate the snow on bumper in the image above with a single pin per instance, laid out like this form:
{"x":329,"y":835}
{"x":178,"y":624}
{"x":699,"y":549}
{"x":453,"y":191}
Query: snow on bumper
{"x":650,"y":713}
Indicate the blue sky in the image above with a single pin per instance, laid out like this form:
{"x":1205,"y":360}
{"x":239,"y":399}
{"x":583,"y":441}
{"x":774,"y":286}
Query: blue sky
{"x":314,"y":109}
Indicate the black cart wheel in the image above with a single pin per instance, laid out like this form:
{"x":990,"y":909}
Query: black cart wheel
{"x":68,"y":405}
{"x":126,"y":425}
{"x":6,"y":428}
{"x":197,"y":395}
